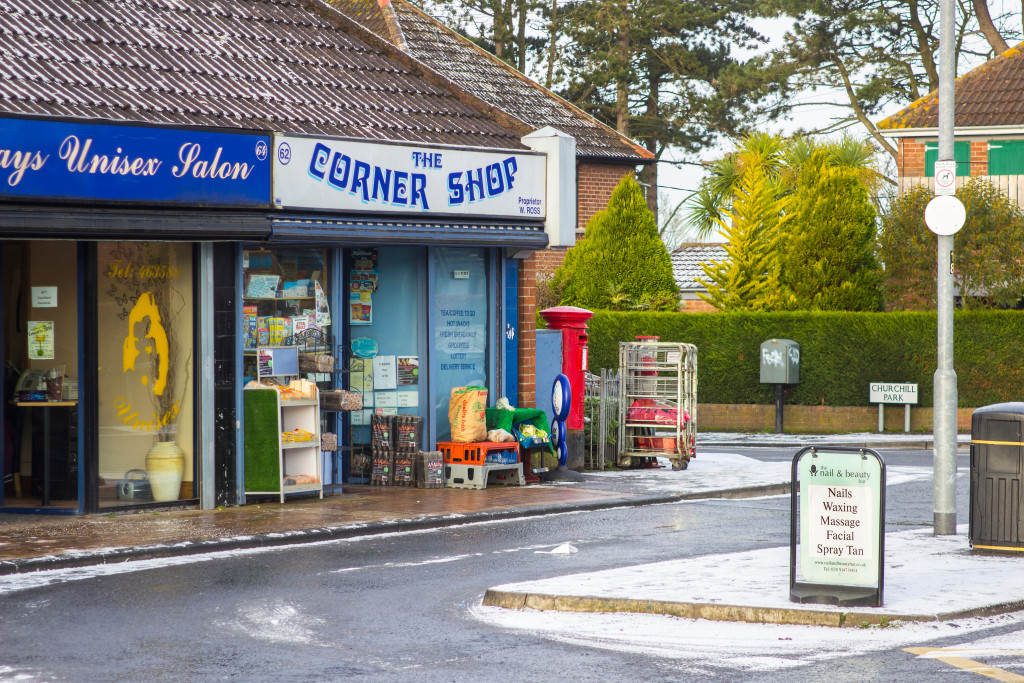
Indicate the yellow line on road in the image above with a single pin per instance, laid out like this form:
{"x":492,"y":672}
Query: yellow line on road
{"x":968,"y":664}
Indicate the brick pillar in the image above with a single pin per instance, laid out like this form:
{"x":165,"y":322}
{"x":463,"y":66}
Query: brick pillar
{"x":979,"y":157}
{"x":527,"y":331}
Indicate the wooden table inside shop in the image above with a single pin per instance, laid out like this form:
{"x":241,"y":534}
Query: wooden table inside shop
{"x":46,"y":405}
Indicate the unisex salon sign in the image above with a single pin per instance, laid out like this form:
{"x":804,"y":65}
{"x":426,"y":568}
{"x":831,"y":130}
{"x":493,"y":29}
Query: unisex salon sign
{"x":333,"y":174}
{"x":55,"y":159}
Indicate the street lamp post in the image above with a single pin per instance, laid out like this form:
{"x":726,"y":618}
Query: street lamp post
{"x":944,"y":487}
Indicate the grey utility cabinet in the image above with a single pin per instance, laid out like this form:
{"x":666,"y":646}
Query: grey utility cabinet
{"x":780,"y":362}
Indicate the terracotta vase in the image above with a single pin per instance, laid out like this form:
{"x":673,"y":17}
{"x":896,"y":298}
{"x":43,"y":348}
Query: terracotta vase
{"x":165,"y":465}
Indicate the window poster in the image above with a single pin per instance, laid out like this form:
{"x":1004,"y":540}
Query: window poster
{"x":44,"y":297}
{"x":40,"y":339}
{"x":323,"y":311}
{"x":360,"y":308}
{"x":360,"y":377}
{"x":385,"y":399}
{"x":408,"y":370}
{"x":385,"y":372}
{"x":362,"y":285}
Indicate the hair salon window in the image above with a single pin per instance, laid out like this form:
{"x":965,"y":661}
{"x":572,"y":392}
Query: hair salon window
{"x":145,"y":374}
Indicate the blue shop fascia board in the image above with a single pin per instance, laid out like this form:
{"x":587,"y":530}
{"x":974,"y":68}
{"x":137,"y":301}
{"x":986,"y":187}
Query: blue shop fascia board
{"x":120,"y":163}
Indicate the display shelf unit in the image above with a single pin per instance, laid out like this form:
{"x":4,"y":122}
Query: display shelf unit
{"x":268,"y":460}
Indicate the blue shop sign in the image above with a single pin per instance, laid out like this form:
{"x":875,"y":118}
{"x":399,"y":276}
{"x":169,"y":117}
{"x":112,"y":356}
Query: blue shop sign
{"x":61,"y":160}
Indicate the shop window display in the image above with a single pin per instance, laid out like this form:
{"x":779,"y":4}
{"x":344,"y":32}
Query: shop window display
{"x":285,"y":302}
{"x":459,"y":324}
{"x":145,"y":376}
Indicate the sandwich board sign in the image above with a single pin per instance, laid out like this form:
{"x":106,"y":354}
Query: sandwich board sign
{"x":837,"y":534}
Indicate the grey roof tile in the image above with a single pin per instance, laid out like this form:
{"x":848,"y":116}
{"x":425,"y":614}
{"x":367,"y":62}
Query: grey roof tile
{"x":484,"y":75}
{"x":688,"y":264}
{"x":231,"y":64}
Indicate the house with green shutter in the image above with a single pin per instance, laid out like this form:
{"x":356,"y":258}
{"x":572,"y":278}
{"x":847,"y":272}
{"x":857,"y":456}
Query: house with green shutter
{"x":988,"y":129}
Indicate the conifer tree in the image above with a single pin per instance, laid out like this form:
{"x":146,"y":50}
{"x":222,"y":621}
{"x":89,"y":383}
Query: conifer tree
{"x":828,"y":261}
{"x":749,"y":279}
{"x":621,"y":257}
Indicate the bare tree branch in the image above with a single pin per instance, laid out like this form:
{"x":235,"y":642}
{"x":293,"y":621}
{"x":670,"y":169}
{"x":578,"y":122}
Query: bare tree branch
{"x":859,"y":112}
{"x":989,"y":29}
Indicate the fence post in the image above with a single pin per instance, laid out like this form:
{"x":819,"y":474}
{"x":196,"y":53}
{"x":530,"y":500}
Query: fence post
{"x":602,"y":420}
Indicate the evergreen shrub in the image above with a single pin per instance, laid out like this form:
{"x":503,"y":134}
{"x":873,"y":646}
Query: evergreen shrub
{"x":840,"y":353}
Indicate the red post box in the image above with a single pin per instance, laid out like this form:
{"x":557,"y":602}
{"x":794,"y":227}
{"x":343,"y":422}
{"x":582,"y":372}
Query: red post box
{"x":572,"y":322}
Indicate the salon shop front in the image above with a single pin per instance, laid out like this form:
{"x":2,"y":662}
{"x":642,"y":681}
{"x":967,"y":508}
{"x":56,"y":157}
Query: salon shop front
{"x":108,"y":240}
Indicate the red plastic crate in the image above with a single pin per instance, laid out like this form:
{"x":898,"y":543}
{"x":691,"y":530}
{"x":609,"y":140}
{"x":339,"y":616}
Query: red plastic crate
{"x":476,"y":453}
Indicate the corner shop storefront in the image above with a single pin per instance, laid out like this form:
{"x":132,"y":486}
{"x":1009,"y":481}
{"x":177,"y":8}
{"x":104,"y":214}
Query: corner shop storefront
{"x":110,"y":237}
{"x":417,"y":245}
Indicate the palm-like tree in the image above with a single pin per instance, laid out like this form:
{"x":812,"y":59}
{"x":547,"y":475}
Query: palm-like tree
{"x":780,"y":160}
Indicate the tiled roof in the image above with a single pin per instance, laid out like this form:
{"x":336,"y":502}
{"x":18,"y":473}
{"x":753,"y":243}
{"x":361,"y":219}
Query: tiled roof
{"x":292,"y":66}
{"x":688,"y":261}
{"x":492,"y":80}
{"x":991,"y":95}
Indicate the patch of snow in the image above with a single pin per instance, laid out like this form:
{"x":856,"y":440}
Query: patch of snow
{"x":924,"y":575}
{"x":564,"y":549}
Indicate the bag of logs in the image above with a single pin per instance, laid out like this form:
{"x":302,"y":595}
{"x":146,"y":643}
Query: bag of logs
{"x":316,"y":362}
{"x":340,"y":399}
{"x":328,"y":441}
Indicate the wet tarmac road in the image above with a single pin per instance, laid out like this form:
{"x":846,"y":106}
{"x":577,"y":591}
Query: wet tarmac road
{"x":392,"y":607}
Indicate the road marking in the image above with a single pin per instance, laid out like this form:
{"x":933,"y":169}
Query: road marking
{"x":949,"y":656}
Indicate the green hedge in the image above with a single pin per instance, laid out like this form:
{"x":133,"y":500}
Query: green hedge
{"x":840,"y":353}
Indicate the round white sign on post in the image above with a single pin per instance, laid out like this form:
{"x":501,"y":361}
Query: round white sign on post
{"x":945,"y":215}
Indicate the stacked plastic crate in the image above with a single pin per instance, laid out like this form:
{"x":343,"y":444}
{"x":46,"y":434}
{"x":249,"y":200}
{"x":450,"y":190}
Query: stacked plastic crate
{"x":473,"y":465}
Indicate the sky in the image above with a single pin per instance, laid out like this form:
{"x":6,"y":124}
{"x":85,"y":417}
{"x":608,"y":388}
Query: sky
{"x":678,"y":182}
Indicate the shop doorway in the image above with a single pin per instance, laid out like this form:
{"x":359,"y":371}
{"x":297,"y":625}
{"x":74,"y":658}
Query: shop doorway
{"x":39,"y":344}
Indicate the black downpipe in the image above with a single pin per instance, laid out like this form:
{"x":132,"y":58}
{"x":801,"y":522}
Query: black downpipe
{"x":226,"y":373}
{"x":88,"y":387}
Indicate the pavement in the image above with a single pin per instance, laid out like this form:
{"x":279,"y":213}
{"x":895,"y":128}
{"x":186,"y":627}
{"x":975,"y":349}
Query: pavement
{"x":31,"y":543}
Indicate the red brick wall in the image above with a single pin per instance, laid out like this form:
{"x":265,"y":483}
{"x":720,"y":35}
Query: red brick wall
{"x":696,"y":306}
{"x":527,"y":330}
{"x":758,"y":418}
{"x":548,"y":261}
{"x":979,"y":157}
{"x":595,"y":183}
{"x":910,"y":160}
